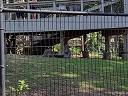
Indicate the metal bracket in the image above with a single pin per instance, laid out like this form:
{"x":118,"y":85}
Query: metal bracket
{"x":1,"y":66}
{"x":1,"y":9}
{"x":1,"y":29}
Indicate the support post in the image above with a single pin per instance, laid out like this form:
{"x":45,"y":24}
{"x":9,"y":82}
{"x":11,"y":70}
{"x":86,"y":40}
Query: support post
{"x":116,"y":43}
{"x":107,"y":54}
{"x":85,"y":52}
{"x":82,"y":5}
{"x":28,"y":7}
{"x":13,"y":43}
{"x":125,"y":6}
{"x":125,"y":53}
{"x":54,"y":8}
{"x":61,"y":44}
{"x":2,"y":68}
{"x":102,"y":6}
{"x":8,"y":15}
{"x":64,"y":50}
{"x":54,"y":5}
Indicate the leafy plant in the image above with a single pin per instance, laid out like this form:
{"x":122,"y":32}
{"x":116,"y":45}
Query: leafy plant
{"x":20,"y":87}
{"x":75,"y":50}
{"x":56,"y":48}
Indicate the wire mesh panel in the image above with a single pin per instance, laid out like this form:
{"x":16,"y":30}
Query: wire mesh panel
{"x":66,"y":54}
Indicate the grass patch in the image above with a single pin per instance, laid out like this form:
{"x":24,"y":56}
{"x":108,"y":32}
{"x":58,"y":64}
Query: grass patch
{"x":85,"y":74}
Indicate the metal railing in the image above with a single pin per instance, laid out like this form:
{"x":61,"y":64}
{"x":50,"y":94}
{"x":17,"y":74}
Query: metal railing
{"x":85,"y":56}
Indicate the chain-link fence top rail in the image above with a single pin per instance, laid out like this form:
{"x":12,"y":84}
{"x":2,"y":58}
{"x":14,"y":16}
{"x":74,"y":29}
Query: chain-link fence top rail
{"x":63,"y":53}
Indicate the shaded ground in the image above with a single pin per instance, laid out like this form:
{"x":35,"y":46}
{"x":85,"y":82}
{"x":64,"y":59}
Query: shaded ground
{"x":69,"y":91}
{"x":66,"y":76}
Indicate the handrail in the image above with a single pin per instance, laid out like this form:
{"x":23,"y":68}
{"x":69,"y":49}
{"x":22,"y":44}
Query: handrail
{"x":63,"y":12}
{"x":49,"y":2}
{"x":98,"y":6}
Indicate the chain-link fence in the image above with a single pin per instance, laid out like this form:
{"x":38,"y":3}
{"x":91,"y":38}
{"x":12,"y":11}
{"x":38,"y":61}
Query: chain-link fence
{"x":65,"y":53}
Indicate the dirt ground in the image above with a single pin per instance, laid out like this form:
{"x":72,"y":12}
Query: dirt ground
{"x":70,"y":91}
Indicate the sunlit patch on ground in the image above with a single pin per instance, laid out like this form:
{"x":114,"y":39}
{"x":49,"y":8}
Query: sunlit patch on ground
{"x":66,"y":76}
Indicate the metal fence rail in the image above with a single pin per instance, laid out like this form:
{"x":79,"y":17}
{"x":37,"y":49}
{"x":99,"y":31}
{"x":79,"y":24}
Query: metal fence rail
{"x":65,"y":53}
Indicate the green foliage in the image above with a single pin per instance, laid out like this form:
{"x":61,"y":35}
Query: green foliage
{"x":20,"y":87}
{"x":89,"y":5}
{"x":95,"y":41}
{"x":56,"y":48}
{"x":119,"y":6}
{"x":75,"y":50}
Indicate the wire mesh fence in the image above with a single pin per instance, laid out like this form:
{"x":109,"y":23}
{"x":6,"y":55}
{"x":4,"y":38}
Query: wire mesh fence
{"x":66,"y":54}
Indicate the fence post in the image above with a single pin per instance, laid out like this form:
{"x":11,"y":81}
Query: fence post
{"x":2,"y":69}
{"x":125,"y":54}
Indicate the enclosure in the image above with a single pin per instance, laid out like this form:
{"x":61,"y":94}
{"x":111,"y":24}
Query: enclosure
{"x":61,"y":53}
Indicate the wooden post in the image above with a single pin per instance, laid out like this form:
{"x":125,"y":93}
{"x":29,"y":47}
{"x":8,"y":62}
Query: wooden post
{"x":125,"y":53}
{"x":85,"y":52}
{"x":107,"y":54}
